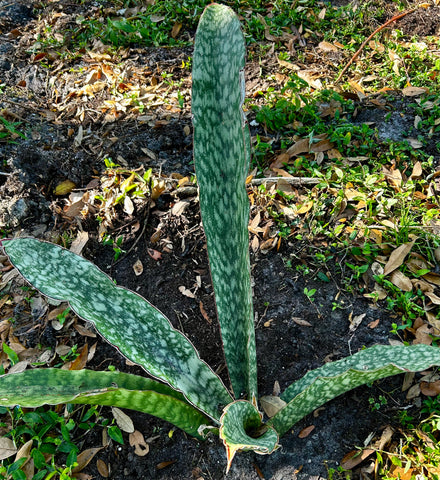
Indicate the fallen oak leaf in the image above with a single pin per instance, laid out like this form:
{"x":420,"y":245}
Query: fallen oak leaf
{"x":184,"y":291}
{"x":162,"y":465}
{"x":84,"y":458}
{"x":137,"y":440}
{"x":154,"y":254}
{"x":430,"y":389}
{"x":102,"y":468}
{"x":355,"y":457}
{"x":7,"y":448}
{"x":138,"y":268}
{"x":305,"y":432}
{"x":272,"y":404}
{"x":397,"y":257}
{"x":401,"y":281}
{"x":123,"y":421}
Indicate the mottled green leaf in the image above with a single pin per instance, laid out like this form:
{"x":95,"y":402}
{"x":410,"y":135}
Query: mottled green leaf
{"x":241,"y":429}
{"x":142,"y":333}
{"x":52,"y":386}
{"x":327,"y":382}
{"x":221,"y":154}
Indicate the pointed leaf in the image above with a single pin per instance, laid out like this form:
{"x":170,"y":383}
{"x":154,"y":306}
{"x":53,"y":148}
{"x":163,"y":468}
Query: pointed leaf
{"x":397,"y":257}
{"x":222,"y":155}
{"x":238,"y":420}
{"x":327,"y":382}
{"x":52,"y":386}
{"x":142,"y":333}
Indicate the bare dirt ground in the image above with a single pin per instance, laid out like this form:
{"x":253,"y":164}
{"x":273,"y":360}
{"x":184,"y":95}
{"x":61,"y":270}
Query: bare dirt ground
{"x":71,"y":125}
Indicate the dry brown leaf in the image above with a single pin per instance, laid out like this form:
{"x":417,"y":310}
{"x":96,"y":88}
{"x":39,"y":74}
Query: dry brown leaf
{"x":19,"y":367}
{"x":184,"y":291}
{"x":434,"y":299}
{"x":25,"y":450}
{"x":90,"y":90}
{"x":141,"y":447}
{"x":176,"y":29}
{"x":414,"y":91}
{"x":80,"y":361}
{"x":128,"y":205}
{"x":374,"y":323}
{"x":280,"y":160}
{"x":162,"y":465}
{"x":408,"y":379}
{"x":102,"y":468}
{"x":430,"y":389}
{"x":413,"y":392}
{"x":397,"y":257}
{"x":420,"y":284}
{"x":355,"y":321}
{"x":402,"y":473}
{"x":28,"y":468}
{"x":305,"y":207}
{"x":85,"y":332}
{"x":179,"y":207}
{"x":385,"y":438}
{"x":305,"y":432}
{"x":253,"y":226}
{"x":138,"y":268}
{"x":414,"y":142}
{"x":255,"y":244}
{"x":400,"y":280}
{"x":327,"y":46}
{"x":394,"y":177}
{"x":272,"y":405}
{"x":417,"y":170}
{"x":302,"y":322}
{"x":423,"y":335}
{"x":154,"y":254}
{"x":85,"y":457}
{"x":124,"y":422}
{"x":355,"y":457}
{"x":204,"y":313}
{"x":432,"y":278}
{"x":80,"y":242}
{"x":434,"y":322}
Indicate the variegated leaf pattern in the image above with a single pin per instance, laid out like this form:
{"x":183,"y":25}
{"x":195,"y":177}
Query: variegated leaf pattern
{"x":327,"y":382}
{"x":239,"y":420}
{"x":52,"y":386}
{"x":142,"y":333}
{"x":221,"y":154}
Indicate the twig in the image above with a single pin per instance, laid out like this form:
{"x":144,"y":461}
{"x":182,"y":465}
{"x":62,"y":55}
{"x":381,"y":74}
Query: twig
{"x":148,"y":206}
{"x":388,"y":22}
{"x":296,"y":181}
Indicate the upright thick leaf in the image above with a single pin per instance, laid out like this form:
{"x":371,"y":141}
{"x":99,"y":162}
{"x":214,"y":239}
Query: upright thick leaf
{"x":221,"y":153}
{"x":142,"y":333}
{"x":52,"y":386}
{"x":327,"y":382}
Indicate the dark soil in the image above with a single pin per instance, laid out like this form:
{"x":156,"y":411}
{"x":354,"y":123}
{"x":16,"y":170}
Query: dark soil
{"x":286,"y":349}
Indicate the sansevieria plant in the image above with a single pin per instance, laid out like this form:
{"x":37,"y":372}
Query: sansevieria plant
{"x":187,"y":392}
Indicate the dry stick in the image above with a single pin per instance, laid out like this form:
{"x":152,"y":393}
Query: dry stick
{"x":353,"y":58}
{"x":296,"y":181}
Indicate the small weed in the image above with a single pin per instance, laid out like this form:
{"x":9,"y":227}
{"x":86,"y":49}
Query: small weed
{"x":8,"y":130}
{"x":376,"y":404}
{"x":54,"y":439}
{"x":115,"y":244}
{"x":310,"y":294}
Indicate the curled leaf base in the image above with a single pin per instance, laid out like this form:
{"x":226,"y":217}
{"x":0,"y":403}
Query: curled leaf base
{"x":242,"y":430}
